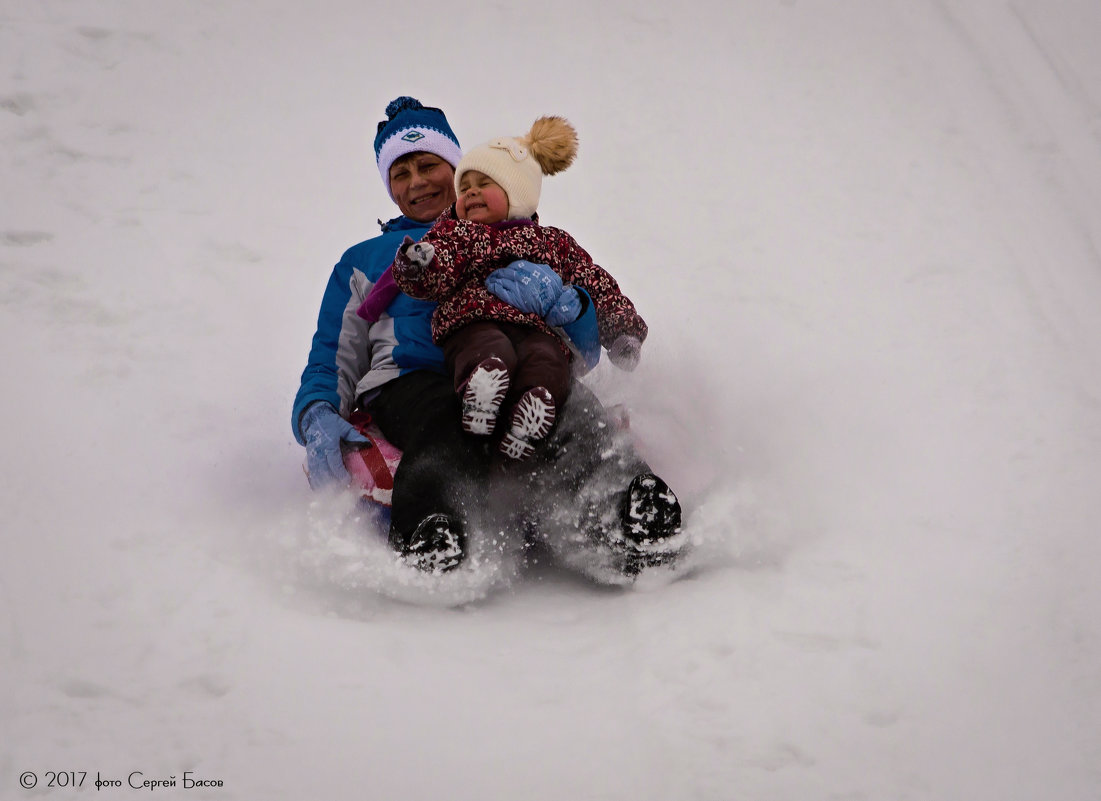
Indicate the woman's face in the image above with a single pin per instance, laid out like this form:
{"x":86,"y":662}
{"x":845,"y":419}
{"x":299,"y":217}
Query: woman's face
{"x":423,"y":186}
{"x":481,"y":199}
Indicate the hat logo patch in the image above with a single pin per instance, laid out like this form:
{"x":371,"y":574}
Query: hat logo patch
{"x":413,"y":136}
{"x":514,"y":148}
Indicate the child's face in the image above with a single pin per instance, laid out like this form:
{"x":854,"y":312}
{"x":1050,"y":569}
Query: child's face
{"x":481,"y":199}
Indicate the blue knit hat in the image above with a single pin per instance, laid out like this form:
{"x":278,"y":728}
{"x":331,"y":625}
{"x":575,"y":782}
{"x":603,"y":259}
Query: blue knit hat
{"x":413,"y":128}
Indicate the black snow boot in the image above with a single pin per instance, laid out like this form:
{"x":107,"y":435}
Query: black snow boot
{"x":649,"y":511}
{"x":437,"y":545}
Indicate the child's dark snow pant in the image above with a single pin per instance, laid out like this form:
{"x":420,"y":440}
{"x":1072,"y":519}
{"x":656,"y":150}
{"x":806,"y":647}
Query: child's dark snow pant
{"x":533,"y":357}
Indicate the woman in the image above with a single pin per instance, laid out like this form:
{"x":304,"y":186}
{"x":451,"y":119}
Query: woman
{"x":585,"y":490}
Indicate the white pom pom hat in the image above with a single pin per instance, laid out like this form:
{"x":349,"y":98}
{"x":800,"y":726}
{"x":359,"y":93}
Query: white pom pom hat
{"x":518,"y":164}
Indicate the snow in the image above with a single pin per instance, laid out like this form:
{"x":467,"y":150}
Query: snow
{"x":866,"y":237}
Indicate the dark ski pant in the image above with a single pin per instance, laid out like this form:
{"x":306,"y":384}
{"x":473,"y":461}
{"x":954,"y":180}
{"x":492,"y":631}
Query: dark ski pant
{"x":534,"y":358}
{"x":443,"y":469}
{"x":568,"y":494}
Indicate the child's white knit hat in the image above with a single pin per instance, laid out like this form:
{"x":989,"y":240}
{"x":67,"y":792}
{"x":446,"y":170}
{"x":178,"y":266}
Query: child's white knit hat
{"x":518,"y":164}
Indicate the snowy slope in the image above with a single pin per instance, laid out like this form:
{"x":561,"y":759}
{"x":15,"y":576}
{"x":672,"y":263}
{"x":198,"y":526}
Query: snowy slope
{"x":866,"y":237}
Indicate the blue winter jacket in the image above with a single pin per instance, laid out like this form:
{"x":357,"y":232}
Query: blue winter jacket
{"x":351,"y":356}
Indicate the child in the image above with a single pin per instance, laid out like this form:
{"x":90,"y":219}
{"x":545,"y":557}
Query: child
{"x":493,"y":350}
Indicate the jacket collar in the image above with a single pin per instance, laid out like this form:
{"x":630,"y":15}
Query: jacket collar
{"x":401,"y":223}
{"x":505,"y":224}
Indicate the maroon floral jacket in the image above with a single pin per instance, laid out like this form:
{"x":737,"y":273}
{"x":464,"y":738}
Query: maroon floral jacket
{"x":467,"y":252}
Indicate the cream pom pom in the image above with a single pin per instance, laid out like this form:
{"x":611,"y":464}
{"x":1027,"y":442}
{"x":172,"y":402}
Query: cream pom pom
{"x":553,"y":142}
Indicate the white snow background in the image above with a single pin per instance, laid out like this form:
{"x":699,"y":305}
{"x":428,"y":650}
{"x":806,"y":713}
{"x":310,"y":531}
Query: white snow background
{"x":866,"y":237}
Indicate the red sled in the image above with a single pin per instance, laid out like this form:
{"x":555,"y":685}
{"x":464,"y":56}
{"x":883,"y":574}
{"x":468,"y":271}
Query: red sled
{"x":371,"y":464}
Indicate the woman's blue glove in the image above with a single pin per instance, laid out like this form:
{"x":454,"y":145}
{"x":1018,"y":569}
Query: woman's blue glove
{"x":530,"y":287}
{"x":323,"y":429}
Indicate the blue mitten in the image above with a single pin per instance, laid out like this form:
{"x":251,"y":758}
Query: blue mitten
{"x":565,"y":309}
{"x":323,"y":429}
{"x":530,"y":287}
